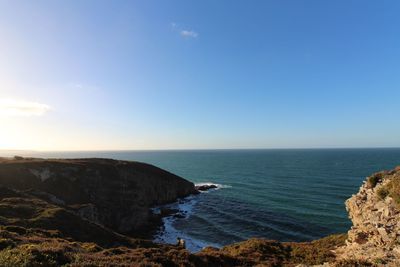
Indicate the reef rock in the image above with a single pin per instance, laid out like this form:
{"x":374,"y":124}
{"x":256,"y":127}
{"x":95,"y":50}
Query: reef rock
{"x":205,"y":187}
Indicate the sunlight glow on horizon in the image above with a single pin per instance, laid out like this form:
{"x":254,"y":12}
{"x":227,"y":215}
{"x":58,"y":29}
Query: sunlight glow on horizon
{"x":101,"y":75}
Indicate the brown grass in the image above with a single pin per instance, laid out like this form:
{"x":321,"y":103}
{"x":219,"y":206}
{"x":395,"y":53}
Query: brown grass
{"x":392,"y":188}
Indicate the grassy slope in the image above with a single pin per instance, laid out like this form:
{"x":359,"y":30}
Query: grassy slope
{"x":34,"y":232}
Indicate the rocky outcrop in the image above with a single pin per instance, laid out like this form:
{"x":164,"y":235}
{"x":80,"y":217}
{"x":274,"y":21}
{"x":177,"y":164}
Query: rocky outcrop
{"x":375,"y":214}
{"x":116,"y":194}
{"x":205,"y":187}
{"x":21,"y":211}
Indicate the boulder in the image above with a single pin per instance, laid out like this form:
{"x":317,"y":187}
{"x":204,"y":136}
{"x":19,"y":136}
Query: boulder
{"x":205,"y":187}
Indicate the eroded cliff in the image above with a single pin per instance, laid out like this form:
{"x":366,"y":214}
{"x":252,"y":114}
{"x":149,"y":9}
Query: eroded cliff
{"x":375,"y":214}
{"x":116,"y":194}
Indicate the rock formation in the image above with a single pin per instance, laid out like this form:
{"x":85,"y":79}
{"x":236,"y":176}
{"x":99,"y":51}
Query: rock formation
{"x":116,"y":194}
{"x":375,"y":214}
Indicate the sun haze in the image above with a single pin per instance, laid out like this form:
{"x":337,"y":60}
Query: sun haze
{"x":96,"y":75}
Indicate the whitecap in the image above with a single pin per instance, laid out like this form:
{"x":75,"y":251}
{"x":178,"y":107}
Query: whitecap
{"x":170,"y":234}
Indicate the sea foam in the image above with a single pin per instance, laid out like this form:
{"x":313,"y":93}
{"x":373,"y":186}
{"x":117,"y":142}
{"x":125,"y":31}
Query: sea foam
{"x":169,"y":234}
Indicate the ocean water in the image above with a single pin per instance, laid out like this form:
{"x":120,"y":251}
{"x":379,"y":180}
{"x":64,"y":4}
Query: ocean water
{"x":285,"y":195}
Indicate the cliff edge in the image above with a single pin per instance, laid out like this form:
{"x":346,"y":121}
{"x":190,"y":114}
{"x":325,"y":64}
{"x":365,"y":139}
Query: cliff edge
{"x":116,"y":194}
{"x":375,"y":214}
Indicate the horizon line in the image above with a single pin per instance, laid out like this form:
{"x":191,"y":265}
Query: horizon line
{"x":195,"y":149}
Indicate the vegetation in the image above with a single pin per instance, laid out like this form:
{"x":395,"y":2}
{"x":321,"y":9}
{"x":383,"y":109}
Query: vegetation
{"x":44,"y":248}
{"x":22,"y":212}
{"x":318,"y":251}
{"x":272,"y":253}
{"x":374,"y":179}
{"x":36,"y":233}
{"x":393,"y":189}
{"x":382,"y":193}
{"x":353,"y":263}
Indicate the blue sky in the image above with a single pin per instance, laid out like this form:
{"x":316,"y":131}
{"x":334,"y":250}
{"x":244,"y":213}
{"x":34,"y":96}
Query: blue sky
{"x":98,"y":75}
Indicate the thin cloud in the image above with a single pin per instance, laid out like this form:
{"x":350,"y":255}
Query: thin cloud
{"x":15,"y":107}
{"x":183,"y":32}
{"x":78,"y":85}
{"x":189,"y":34}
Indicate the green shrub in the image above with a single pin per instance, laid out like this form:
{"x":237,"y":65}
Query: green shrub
{"x":379,"y":261}
{"x":383,"y":192}
{"x":14,"y":257}
{"x":394,"y":190}
{"x":374,"y":179}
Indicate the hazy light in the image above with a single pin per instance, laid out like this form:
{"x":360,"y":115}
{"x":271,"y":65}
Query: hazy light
{"x":13,"y":107}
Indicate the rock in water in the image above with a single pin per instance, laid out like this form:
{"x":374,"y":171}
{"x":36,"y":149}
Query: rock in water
{"x":117,"y":194}
{"x":205,"y":187}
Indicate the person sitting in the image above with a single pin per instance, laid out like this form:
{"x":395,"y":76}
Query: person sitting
{"x":180,"y":242}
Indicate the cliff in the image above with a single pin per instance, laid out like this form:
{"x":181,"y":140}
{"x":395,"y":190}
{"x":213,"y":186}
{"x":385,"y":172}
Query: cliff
{"x":375,"y":214}
{"x":68,"y":213}
{"x":116,"y":194}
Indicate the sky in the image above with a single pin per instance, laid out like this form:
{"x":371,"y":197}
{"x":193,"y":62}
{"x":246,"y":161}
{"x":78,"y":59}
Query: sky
{"x":121,"y":75}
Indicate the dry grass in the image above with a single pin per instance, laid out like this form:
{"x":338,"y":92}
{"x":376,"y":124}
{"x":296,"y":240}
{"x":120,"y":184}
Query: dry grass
{"x":392,"y":188}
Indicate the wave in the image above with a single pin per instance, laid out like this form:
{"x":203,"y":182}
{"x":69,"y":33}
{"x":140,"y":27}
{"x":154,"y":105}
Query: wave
{"x":169,"y":234}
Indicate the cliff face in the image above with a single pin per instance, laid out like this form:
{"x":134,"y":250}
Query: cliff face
{"x":21,"y":211}
{"x":375,"y":213}
{"x":117,"y":194}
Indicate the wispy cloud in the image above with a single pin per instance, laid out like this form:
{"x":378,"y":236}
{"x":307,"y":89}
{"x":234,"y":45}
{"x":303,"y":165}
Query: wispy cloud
{"x":15,"y":107}
{"x":184,"y":32}
{"x":77,"y":85}
{"x":189,"y":34}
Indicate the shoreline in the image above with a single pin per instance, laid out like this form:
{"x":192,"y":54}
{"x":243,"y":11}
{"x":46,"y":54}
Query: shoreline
{"x":62,"y":232}
{"x":180,"y":210}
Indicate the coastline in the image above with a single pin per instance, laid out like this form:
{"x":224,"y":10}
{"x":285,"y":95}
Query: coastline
{"x":35,"y":224}
{"x":181,"y":210}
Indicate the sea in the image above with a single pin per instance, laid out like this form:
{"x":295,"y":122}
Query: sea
{"x":279,"y":194}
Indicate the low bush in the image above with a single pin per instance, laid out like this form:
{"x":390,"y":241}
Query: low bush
{"x":393,"y":188}
{"x":353,"y":263}
{"x":6,"y":243}
{"x":382,"y":192}
{"x":374,"y":179}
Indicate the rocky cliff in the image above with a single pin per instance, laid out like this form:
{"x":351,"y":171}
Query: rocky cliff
{"x":116,"y":194}
{"x":375,"y":214}
{"x":67,"y":212}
